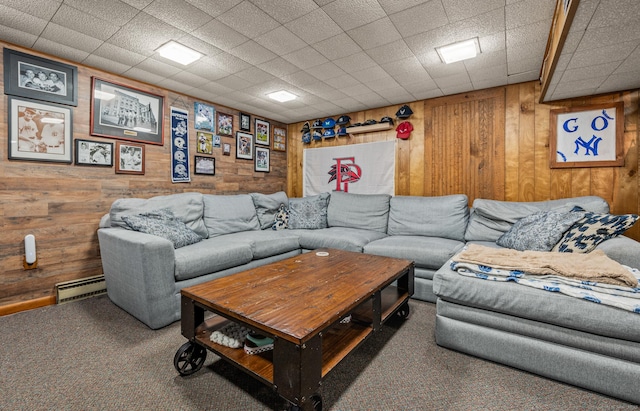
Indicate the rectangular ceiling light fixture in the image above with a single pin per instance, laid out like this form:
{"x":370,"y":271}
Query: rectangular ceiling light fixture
{"x":282,"y":96}
{"x":178,"y":53}
{"x":459,"y":51}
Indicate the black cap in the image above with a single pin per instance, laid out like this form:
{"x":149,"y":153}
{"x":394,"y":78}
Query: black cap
{"x":404,"y":112}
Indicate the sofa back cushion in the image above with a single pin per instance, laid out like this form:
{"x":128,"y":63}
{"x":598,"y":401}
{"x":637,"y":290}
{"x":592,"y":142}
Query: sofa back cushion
{"x":224,"y":214}
{"x":364,"y":211}
{"x":445,"y":216}
{"x":186,"y":207}
{"x":490,"y":219}
{"x":267,"y":206}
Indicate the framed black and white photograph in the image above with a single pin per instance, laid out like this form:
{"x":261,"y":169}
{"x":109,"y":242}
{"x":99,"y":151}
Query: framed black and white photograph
{"x":205,"y":165}
{"x":126,"y":113}
{"x":262,"y":132}
{"x":244,"y":145}
{"x":39,"y":78}
{"x":205,"y":142}
{"x":129,"y":158}
{"x":245,"y":122}
{"x":225,"y":124}
{"x":39,"y":131}
{"x":93,"y":153}
{"x":262,"y":159}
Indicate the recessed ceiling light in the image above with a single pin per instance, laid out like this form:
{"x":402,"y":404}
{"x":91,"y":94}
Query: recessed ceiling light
{"x":282,"y":96}
{"x":461,"y":50}
{"x":178,"y":53}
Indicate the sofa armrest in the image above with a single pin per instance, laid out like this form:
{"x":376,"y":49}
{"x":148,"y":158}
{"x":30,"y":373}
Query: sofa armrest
{"x":623,"y":249}
{"x":139,"y":274}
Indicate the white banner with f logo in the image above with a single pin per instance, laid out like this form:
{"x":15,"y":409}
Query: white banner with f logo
{"x":356,"y":168}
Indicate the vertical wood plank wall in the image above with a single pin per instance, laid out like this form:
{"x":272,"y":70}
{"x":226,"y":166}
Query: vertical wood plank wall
{"x":61,"y":204}
{"x":491,"y":144}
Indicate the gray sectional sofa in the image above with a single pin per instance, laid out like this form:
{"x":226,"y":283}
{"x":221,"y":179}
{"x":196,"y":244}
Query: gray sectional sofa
{"x":575,"y":341}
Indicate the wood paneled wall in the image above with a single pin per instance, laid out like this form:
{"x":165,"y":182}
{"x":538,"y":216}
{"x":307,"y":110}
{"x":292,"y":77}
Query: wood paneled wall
{"x":492,"y":144}
{"x":61,"y":204}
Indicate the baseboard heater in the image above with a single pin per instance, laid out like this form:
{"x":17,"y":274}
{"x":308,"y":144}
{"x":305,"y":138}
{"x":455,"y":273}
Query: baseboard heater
{"x":80,"y":289}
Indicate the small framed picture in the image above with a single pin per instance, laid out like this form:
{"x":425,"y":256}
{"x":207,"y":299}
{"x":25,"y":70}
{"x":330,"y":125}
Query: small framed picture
{"x":129,"y":158}
{"x":262,"y":159}
{"x":244,"y":145}
{"x":279,"y":139}
{"x":94,"y":153}
{"x":39,"y":131}
{"x":39,"y":78}
{"x":205,"y":165}
{"x":262,"y":132}
{"x":216,"y":141}
{"x":205,"y":142}
{"x":226,"y":149}
{"x":203,"y":119}
{"x":245,"y":122}
{"x":224,"y":124}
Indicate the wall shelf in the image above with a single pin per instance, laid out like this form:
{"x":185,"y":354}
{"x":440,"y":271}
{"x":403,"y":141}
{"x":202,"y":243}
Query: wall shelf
{"x":370,"y":128}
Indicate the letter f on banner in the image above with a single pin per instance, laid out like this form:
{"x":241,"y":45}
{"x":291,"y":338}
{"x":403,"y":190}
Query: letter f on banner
{"x":344,"y":171}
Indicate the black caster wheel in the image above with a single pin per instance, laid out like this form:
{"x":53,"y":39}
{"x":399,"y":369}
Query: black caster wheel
{"x":316,"y":401}
{"x":403,"y":312}
{"x":189,"y":358}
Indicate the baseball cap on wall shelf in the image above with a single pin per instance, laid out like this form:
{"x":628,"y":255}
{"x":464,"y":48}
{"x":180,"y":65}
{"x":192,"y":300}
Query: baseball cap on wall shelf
{"x":386,"y":119}
{"x":317,"y":124}
{"x":317,"y":135}
{"x":329,"y":133}
{"x":342,"y":120}
{"x":369,"y":122}
{"x":404,"y":112}
{"x":306,"y":127}
{"x":404,"y":129}
{"x":342,"y":131}
{"x":329,"y":123}
{"x":306,"y":138}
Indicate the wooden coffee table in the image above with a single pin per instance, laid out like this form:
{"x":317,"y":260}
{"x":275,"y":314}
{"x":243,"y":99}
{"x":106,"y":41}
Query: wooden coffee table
{"x":298,"y":302}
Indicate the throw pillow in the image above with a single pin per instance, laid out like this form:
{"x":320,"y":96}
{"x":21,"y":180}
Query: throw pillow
{"x":163,"y":223}
{"x":593,"y":229}
{"x":281,"y":220}
{"x":308,"y":212}
{"x":539,"y":231}
{"x":267,"y":206}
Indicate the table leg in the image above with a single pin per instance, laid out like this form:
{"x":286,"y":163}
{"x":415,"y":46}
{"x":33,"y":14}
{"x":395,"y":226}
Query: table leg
{"x":297,"y":370}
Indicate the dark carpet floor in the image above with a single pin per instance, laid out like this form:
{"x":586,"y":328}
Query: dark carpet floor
{"x":91,"y":355}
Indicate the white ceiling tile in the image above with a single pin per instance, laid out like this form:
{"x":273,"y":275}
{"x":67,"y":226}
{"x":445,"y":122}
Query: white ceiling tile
{"x":60,"y":50}
{"x":118,"y":54}
{"x":326,"y":71}
{"x":588,"y":72}
{"x":492,"y":42}
{"x":584,"y":15}
{"x":18,"y":37}
{"x":527,"y":51}
{"x":281,"y":41}
{"x":420,"y":86}
{"x":220,"y":35}
{"x":463,"y":9}
{"x":593,"y":37}
{"x":18,"y":20}
{"x":622,"y":81}
{"x":138,"y":4}
{"x":522,"y":77}
{"x":37,"y":8}
{"x":160,"y":68}
{"x":374,"y":34}
{"x":84,"y":23}
{"x":189,"y":18}
{"x":214,"y":8}
{"x":446,"y":70}
{"x":62,"y":35}
{"x":206,"y":68}
{"x":525,"y":12}
{"x":489,"y":83}
{"x":372,"y":100}
{"x":522,"y":35}
{"x":252,"y":53}
{"x":248,"y":20}
{"x":175,"y":85}
{"x":255,"y":75}
{"x":301,"y":79}
{"x":279,"y":67}
{"x":356,"y":89}
{"x":143,"y":75}
{"x":234,"y":82}
{"x":341,"y":82}
{"x":385,"y":83}
{"x":207,"y":49}
{"x":117,"y":12}
{"x":354,"y":62}
{"x":305,"y":58}
{"x":349,"y":14}
{"x":371,"y":74}
{"x":285,"y":11}
{"x":394,"y":6}
{"x":523,"y":65}
{"x":451,"y":81}
{"x":105,"y":64}
{"x":489,"y":73}
{"x":314,"y":27}
{"x":229,"y":63}
{"x":135,"y":35}
{"x":457,"y":88}
{"x":337,"y":47}
{"x":601,"y":55}
{"x":425,"y":17}
{"x":616,"y":13}
{"x":631,"y":63}
{"x":397,"y":50}
{"x":427,"y":94}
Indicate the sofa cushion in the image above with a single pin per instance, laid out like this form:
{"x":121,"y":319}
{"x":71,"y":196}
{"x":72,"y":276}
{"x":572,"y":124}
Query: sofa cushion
{"x":163,"y":223}
{"x":225,"y":214}
{"x":592,"y":230}
{"x":267,"y":206}
{"x":308,"y":212}
{"x":266,"y":243}
{"x":364,"y":211}
{"x":490,"y":219}
{"x":187,"y":207}
{"x":445,"y":216}
{"x":210,"y":256}
{"x":426,"y":252}
{"x":343,"y":238}
{"x":539,"y":231}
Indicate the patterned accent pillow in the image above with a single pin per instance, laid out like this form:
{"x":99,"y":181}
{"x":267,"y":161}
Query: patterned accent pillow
{"x":281,"y":220}
{"x":163,"y":223}
{"x":539,"y":231}
{"x":308,"y":212}
{"x":593,"y":229}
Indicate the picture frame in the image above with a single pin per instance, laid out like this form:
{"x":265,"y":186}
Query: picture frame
{"x":262,"y":160}
{"x":126,"y":113}
{"x":39,"y":131}
{"x":204,"y":142}
{"x":279,"y":139}
{"x":204,"y":118}
{"x":39,"y":78}
{"x":224,"y":124}
{"x":244,"y":145}
{"x":245,"y":122}
{"x":587,"y":136}
{"x":129,"y":158}
{"x":226,"y":149}
{"x":262,"y":132}
{"x":93,"y":153}
{"x":205,"y":165}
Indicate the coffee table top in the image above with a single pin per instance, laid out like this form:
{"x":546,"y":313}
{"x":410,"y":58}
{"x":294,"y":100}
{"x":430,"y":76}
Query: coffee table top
{"x":297,"y":297}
